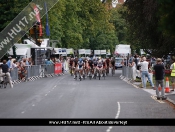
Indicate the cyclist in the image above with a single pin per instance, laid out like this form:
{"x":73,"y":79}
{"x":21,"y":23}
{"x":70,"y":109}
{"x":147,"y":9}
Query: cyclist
{"x":71,"y":65}
{"x":107,"y":63}
{"x":100,"y":67}
{"x":85,"y":68}
{"x":80,"y":66}
{"x":94,"y":66}
{"x":90,"y":66}
{"x":75,"y":66}
{"x":104,"y":66}
{"x":113,"y":63}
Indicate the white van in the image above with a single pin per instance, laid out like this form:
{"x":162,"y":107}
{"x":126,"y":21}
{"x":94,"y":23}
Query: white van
{"x":118,"y":62}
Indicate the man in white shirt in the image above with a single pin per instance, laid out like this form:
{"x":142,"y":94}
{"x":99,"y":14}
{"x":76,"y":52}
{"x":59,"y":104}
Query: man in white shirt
{"x":145,"y":73}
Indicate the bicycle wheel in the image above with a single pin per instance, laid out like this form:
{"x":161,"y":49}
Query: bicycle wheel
{"x":71,"y":72}
{"x":99,"y":75}
{"x":104,"y":74}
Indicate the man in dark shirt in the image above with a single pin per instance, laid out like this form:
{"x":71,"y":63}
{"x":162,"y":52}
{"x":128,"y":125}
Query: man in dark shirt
{"x":159,"y":78}
{"x":5,"y":72}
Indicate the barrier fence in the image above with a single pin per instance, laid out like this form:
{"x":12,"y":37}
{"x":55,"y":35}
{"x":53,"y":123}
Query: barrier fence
{"x":129,"y":74}
{"x":36,"y":71}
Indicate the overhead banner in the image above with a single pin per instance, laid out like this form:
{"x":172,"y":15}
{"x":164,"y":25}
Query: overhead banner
{"x":97,"y":52}
{"x":102,"y":52}
{"x":87,"y":51}
{"x":81,"y":51}
{"x":22,"y":23}
{"x":69,"y":51}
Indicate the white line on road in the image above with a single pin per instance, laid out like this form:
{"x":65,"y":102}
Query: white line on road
{"x":118,"y":112}
{"x":117,"y":116}
{"x":155,"y":98}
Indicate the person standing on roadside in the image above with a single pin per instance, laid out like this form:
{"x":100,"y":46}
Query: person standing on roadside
{"x":159,"y":78}
{"x":172,"y":68}
{"x":145,"y":73}
{"x":5,"y":72}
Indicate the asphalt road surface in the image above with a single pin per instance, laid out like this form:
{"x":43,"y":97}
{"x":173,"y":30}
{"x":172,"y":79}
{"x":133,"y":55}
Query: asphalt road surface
{"x":64,"y":97}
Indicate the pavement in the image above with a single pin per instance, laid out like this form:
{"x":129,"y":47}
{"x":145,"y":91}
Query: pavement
{"x":170,"y":96}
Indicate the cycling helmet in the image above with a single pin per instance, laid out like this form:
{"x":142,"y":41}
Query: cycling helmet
{"x":80,"y":59}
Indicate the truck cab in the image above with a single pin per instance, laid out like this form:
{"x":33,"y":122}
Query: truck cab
{"x":118,"y":61}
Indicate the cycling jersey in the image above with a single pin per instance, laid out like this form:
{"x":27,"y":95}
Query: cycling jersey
{"x":76,"y":62}
{"x":80,"y":64}
{"x":100,"y":64}
{"x":113,"y":62}
{"x":90,"y":62}
{"x":95,"y":63}
{"x":104,"y":64}
{"x":71,"y":62}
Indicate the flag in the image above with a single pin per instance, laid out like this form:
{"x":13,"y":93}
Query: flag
{"x":47,"y":21}
{"x":38,"y":20}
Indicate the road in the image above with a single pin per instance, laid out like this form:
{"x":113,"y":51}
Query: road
{"x":64,"y":97}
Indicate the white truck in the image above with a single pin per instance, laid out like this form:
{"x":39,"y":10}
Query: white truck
{"x":121,"y":52}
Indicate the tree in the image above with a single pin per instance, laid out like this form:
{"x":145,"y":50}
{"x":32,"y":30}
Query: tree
{"x":143,"y":19}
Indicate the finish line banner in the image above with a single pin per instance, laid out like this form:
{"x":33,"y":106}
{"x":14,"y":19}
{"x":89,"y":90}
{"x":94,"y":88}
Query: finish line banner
{"x":22,"y":23}
{"x":87,"y":122}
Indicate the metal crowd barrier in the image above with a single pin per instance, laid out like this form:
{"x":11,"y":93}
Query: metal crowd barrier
{"x":14,"y":74}
{"x":37,"y":71}
{"x":49,"y":70}
{"x":127,"y":73}
{"x":33,"y":72}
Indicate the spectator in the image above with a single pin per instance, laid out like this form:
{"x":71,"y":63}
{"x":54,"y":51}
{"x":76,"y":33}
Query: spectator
{"x":159,"y":78}
{"x":145,"y":73}
{"x":14,"y":65}
{"x":172,"y":67}
{"x":27,"y":62}
{"x":23,"y":63}
{"x":48,"y":62}
{"x":9,"y":62}
{"x":5,"y":72}
{"x":133,"y":66}
{"x":124,"y":62}
{"x":21,"y":71}
{"x":30,"y":61}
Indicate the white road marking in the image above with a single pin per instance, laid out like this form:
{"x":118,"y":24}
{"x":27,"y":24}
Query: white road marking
{"x":155,"y":98}
{"x":117,"y":116}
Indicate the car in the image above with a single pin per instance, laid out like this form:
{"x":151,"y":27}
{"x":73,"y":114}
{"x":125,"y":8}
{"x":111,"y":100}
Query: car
{"x":118,"y":62}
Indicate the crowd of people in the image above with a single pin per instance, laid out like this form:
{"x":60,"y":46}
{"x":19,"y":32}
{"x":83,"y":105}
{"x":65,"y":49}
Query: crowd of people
{"x":97,"y":66}
{"x":142,"y":67}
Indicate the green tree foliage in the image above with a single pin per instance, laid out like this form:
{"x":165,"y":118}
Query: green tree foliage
{"x":145,"y":29}
{"x":77,"y":23}
{"x":9,"y":9}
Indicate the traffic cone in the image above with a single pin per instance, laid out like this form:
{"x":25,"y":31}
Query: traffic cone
{"x":159,"y":88}
{"x":167,"y":87}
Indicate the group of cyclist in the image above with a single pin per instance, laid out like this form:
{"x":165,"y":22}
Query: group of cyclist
{"x":86,"y":66}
